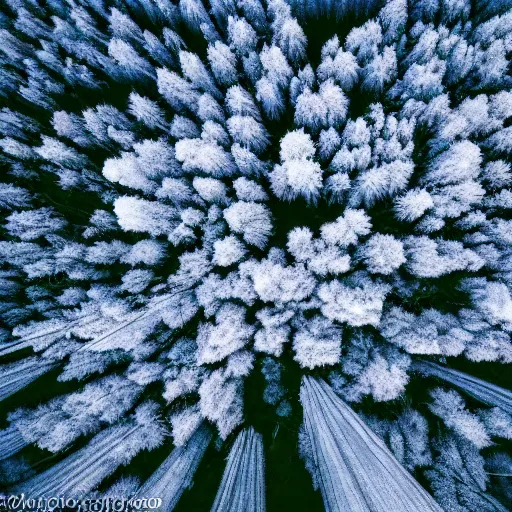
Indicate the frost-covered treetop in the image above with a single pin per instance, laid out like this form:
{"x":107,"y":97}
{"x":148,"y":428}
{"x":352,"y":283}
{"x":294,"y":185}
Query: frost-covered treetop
{"x":196,"y":192}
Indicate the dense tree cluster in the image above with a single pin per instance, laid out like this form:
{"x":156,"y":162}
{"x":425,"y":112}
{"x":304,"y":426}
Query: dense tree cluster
{"x":199,"y":200}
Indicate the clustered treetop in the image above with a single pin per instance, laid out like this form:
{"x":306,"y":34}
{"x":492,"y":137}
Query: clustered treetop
{"x":157,"y":160}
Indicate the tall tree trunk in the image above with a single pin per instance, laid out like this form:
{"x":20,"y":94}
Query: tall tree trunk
{"x":243,"y":483}
{"x":356,"y":471}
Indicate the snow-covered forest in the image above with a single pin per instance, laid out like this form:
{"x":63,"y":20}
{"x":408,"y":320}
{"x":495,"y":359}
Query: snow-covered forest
{"x":257,"y":254}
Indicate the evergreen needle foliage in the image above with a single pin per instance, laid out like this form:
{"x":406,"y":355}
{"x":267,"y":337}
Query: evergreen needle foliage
{"x":206,"y":203}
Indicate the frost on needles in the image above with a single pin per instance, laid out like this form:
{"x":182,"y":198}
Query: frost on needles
{"x":202,"y":202}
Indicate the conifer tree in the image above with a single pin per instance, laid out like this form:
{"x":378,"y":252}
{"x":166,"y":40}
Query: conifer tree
{"x":195,"y":192}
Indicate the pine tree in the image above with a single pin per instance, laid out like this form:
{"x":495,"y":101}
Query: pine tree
{"x":11,"y":442}
{"x":344,"y":449}
{"x":176,"y":473}
{"x":243,"y":482}
{"x":107,"y":451}
{"x":197,"y":191}
{"x":458,"y":477}
{"x":484,"y":391}
{"x":18,"y":375}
